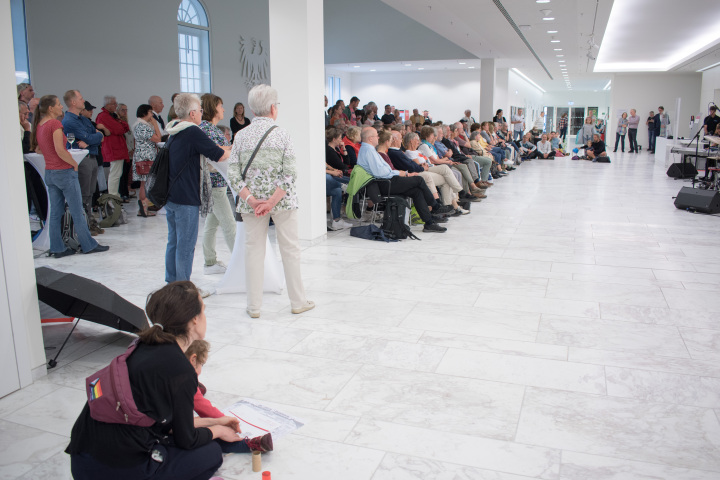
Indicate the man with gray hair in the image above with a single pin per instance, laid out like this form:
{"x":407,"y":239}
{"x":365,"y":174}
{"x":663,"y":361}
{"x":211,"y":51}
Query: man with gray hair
{"x":87,"y":136}
{"x":26,"y":94}
{"x":157,"y":105}
{"x":114,"y":147}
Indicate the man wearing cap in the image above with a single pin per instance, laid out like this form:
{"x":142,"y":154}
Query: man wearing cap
{"x":88,"y":137}
{"x":26,"y":94}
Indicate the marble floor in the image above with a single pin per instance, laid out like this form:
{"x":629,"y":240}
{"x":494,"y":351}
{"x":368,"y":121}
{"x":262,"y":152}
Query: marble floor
{"x":569,"y":329}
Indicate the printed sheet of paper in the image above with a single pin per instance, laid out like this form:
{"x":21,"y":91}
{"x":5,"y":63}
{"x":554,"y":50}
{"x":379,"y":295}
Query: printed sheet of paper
{"x":257,"y":419}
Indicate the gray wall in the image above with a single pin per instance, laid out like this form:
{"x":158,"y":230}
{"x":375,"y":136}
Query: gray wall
{"x":130,"y":49}
{"x":372,"y":31}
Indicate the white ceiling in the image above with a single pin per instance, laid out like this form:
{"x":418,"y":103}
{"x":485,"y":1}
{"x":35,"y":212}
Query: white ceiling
{"x":647,"y":31}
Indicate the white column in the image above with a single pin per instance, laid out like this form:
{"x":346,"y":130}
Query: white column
{"x":487,"y":88}
{"x":502,"y":92}
{"x":297,"y":70}
{"x":16,"y":252}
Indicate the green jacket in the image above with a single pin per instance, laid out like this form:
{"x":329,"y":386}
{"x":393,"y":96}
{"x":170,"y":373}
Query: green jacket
{"x":358,"y":179}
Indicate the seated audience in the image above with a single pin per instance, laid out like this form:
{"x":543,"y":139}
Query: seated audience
{"x":427,"y":148}
{"x":388,"y":118}
{"x":401,"y":182}
{"x":544,"y":148}
{"x":528,"y":150}
{"x":596,"y":148}
{"x":352,"y":145}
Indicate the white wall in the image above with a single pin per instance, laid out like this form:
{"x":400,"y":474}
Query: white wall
{"x":645,"y":92}
{"x":19,"y":314}
{"x":523,"y":95}
{"x":130,"y":49}
{"x":710,"y":85}
{"x":446,"y":94}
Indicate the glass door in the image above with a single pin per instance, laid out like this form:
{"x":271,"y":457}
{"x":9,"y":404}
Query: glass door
{"x":577,"y":119}
{"x":549,"y":119}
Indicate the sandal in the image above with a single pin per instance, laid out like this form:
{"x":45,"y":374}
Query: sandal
{"x":141,"y":209}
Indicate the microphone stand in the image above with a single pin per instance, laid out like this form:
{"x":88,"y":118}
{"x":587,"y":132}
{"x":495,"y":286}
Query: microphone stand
{"x":697,"y":148}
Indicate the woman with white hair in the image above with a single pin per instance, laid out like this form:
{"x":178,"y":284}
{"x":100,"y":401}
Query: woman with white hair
{"x":187,"y":196}
{"x":262,"y":169}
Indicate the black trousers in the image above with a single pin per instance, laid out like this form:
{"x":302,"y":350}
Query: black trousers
{"x":632,"y":136}
{"x":621,"y":139}
{"x":415,"y":188}
{"x":198,"y":464}
{"x":125,"y":179}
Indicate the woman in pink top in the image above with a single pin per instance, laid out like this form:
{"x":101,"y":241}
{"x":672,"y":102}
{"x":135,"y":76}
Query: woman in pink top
{"x":61,"y":178}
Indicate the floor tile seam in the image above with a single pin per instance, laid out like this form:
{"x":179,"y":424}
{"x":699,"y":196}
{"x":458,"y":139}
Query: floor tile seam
{"x":649,"y":462}
{"x":368,"y":338}
{"x":35,"y":400}
{"x":15,"y":422}
{"x":517,"y":423}
{"x":535,"y":342}
{"x":682,"y":337}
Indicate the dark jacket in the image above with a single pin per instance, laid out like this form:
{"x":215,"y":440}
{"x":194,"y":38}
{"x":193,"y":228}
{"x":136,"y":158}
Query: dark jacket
{"x":403,"y":162}
{"x":185,"y":149}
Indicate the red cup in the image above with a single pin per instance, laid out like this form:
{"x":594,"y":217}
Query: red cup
{"x":266,"y":475}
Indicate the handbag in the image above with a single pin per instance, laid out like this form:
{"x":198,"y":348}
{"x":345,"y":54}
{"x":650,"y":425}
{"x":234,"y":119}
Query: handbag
{"x":143,"y":167}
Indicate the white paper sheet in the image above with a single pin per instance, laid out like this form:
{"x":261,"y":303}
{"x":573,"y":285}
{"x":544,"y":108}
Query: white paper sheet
{"x":257,"y":419}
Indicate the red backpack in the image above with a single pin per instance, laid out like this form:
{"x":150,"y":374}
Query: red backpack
{"x":110,"y":395}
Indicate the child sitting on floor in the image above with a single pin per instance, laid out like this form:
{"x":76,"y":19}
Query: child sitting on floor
{"x":197,"y":353}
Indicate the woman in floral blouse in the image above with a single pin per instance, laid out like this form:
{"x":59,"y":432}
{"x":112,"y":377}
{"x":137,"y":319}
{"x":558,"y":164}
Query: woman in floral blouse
{"x":221,"y":214}
{"x":147,"y":134}
{"x":268,"y":188}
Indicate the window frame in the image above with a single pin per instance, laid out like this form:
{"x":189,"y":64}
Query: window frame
{"x":204,"y":35}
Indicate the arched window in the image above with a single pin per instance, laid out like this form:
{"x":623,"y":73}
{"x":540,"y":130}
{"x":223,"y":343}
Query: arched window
{"x":194,"y":47}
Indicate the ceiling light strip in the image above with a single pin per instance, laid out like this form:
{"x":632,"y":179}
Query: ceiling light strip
{"x":527,"y":79}
{"x":512,"y":23}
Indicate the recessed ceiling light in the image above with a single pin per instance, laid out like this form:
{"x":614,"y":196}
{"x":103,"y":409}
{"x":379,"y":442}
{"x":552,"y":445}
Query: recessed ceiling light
{"x":552,"y":31}
{"x":462,"y":63}
{"x":356,"y":66}
{"x":542,"y":1}
{"x":372,"y":70}
{"x":554,"y":41}
{"x":558,"y":49}
{"x":559,"y":55}
{"x":561,"y":61}
{"x":408,"y":64}
{"x":548,"y":19}
{"x":421,"y":68}
{"x":471,"y":67}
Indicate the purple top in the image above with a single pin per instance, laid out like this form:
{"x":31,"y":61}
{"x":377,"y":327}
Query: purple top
{"x":633,"y":121}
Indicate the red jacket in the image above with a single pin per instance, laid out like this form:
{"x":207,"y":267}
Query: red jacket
{"x":114,"y":147}
{"x":204,"y":408}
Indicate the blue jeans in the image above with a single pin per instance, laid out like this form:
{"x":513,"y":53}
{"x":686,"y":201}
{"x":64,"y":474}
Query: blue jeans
{"x":63,"y":186}
{"x":333,"y":189}
{"x":651,"y":140}
{"x":182,"y":223}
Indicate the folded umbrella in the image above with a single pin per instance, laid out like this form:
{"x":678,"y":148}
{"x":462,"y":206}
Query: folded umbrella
{"x":86,"y":299}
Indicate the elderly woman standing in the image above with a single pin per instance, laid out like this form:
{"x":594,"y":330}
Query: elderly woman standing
{"x":267,"y":187}
{"x":147,"y":133}
{"x":187,"y":196}
{"x":221,"y":214}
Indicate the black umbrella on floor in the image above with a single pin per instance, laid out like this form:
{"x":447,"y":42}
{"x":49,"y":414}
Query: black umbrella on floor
{"x":85,"y":299}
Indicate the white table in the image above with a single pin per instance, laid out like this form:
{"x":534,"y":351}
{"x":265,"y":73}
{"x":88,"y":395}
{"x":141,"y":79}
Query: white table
{"x":234,"y":280}
{"x":42,"y":241}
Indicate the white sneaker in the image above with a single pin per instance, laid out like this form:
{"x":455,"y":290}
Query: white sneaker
{"x":463,"y":211}
{"x":205,"y":293}
{"x":217,"y":269}
{"x":339,"y":225}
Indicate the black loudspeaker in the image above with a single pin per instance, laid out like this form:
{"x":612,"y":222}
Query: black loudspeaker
{"x":682,"y":170}
{"x":704,"y":201}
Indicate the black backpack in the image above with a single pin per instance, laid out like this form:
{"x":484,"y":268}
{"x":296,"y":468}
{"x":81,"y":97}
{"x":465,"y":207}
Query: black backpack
{"x":396,"y":219}
{"x":157,"y":183}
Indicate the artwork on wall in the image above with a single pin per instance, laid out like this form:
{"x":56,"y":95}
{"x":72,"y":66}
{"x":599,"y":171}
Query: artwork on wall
{"x":253,"y":61}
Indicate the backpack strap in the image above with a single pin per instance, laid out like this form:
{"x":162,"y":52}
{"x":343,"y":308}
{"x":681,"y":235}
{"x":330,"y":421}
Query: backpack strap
{"x":257,"y":147}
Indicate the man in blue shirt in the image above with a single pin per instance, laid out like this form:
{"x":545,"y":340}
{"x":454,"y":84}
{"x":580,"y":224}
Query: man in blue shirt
{"x":401,"y":182}
{"x":86,"y":136}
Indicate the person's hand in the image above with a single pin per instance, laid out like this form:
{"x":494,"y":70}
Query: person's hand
{"x":336,"y":173}
{"x":426,"y":167}
{"x":32,"y":104}
{"x":76,"y":167}
{"x":231,"y":422}
{"x":263,"y":208}
{"x":414,"y":174}
{"x":26,"y":125}
{"x":82,"y":144}
{"x":224,"y":433}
